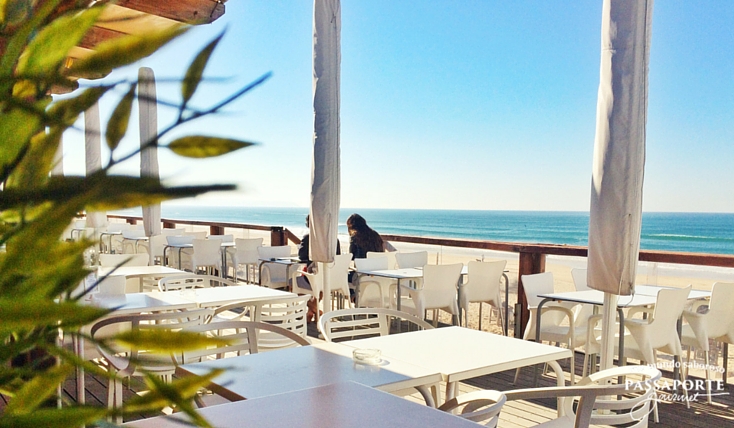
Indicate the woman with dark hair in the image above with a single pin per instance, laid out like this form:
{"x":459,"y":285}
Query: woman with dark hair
{"x":362,"y":239}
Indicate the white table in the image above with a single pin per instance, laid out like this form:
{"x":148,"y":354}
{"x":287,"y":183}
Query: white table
{"x":140,"y":272}
{"x":337,"y":405}
{"x":218,"y":296}
{"x":124,"y":304}
{"x":223,"y":249}
{"x":291,"y":369}
{"x":109,"y":237}
{"x":136,"y":241}
{"x":460,"y":353}
{"x":397,"y":274}
{"x":288,"y":262}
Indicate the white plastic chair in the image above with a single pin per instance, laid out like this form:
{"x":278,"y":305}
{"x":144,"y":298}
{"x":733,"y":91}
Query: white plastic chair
{"x":207,"y":254}
{"x":179,"y":257}
{"x":596,"y":401}
{"x":172,"y":232}
{"x":273,"y":275}
{"x":374,"y":291}
{"x":191,"y":281}
{"x":338,"y":280}
{"x":196,"y":235}
{"x":287,"y":313}
{"x":245,"y":253}
{"x":111,"y":285}
{"x":559,"y":323}
{"x":125,"y":360}
{"x":579,"y":279}
{"x":129,"y":242}
{"x":223,"y":238}
{"x":392,"y":262}
{"x":411,"y":260}
{"x":482,"y":286}
{"x":477,"y":406}
{"x":357,"y":323}
{"x":154,"y":247}
{"x":437,"y":291}
{"x":713,"y":324}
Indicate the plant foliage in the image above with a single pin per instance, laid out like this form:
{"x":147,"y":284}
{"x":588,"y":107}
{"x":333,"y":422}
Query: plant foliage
{"x":38,"y":270}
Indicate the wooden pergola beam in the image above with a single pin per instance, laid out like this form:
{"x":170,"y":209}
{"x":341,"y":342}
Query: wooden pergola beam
{"x":96,"y":35}
{"x":187,"y":11}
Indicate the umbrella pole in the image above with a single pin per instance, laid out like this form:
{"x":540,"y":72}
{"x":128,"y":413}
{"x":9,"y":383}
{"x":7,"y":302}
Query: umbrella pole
{"x":326,"y":286}
{"x":609,"y":316}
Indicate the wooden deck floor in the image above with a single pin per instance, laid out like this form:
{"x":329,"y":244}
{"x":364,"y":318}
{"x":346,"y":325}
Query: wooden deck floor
{"x":515,"y":414}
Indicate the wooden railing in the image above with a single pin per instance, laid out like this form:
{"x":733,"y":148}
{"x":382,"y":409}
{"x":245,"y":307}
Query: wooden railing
{"x":531,"y":256}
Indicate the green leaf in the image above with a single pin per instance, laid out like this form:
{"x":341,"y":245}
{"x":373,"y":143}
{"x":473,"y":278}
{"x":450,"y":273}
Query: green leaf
{"x":52,"y":44}
{"x":117,"y":125}
{"x":27,"y":313}
{"x":37,"y":390}
{"x":166,"y":341}
{"x":36,"y":164}
{"x":17,"y":126}
{"x":94,"y":193}
{"x":124,"y":50}
{"x":197,"y":146}
{"x":196,"y":70}
{"x":65,"y":417}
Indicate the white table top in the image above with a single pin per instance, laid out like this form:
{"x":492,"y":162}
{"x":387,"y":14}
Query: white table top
{"x":291,"y":369}
{"x":218,"y":296}
{"x":652,"y":290}
{"x":401,"y":273}
{"x":337,"y":405}
{"x":132,"y":303}
{"x":460,"y":353}
{"x":596,"y":297}
{"x":137,"y":271}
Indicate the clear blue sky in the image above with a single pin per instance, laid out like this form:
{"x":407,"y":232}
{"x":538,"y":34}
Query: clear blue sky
{"x":456,"y":105}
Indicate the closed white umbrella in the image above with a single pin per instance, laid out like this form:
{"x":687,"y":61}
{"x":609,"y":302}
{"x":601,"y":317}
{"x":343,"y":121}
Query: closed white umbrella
{"x":619,"y":157}
{"x":325,"y":174}
{"x":58,"y":166}
{"x":149,"y":156}
{"x":93,"y":158}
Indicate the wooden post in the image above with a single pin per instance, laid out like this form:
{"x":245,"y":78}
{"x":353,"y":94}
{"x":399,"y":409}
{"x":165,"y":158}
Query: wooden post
{"x":216,"y":230}
{"x":530,"y":263}
{"x":277,"y":236}
{"x":169,"y":225}
{"x":132,"y":221}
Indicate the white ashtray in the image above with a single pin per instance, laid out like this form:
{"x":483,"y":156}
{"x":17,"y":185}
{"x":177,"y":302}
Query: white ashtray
{"x":367,"y":356}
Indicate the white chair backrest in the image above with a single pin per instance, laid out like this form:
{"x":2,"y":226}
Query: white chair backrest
{"x":535,"y":284}
{"x":477,"y":406}
{"x":190,"y":280}
{"x":411,"y":260}
{"x":579,"y":279}
{"x":484,"y":280}
{"x":632,"y":408}
{"x":246,"y":250}
{"x":720,"y":318}
{"x":111,"y":285}
{"x":669,"y":307}
{"x":244,"y":337}
{"x":207,"y":252}
{"x":79,"y":224}
{"x":109,"y":260}
{"x":440,"y":284}
{"x":133,"y":233}
{"x":289,"y":313}
{"x":196,"y":235}
{"x":363,"y":322}
{"x":179,"y":240}
{"x":274,"y":252}
{"x":172,"y":232}
{"x":223,"y":238}
{"x":339,"y":273}
{"x":371,"y":263}
{"x":390,"y":255}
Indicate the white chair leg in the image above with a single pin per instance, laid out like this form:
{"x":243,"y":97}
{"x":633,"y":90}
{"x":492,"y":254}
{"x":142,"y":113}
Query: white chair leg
{"x":517,"y":375}
{"x":708,"y":376}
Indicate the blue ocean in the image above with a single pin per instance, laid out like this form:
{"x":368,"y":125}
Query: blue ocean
{"x":684,"y":232}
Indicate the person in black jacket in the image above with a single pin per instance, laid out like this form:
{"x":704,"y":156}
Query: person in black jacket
{"x":362,"y":239}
